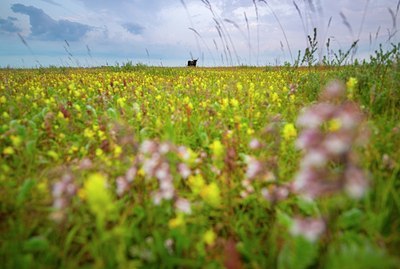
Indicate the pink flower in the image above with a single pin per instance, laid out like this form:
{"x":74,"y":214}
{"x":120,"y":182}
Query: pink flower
{"x":356,"y":183}
{"x":162,"y":173}
{"x":312,"y":183}
{"x":337,"y":143}
{"x":85,"y":163}
{"x":314,"y":158}
{"x":184,"y":170}
{"x":275,"y":193}
{"x":148,"y":147}
{"x":122,"y":186}
{"x":309,"y":138}
{"x":255,"y":144}
{"x":254,"y":167}
{"x":183,"y":205}
{"x":58,"y":189}
{"x":164,"y":148}
{"x":130,"y":174}
{"x":335,"y":90}
{"x":310,"y":228}
{"x":184,"y":153}
{"x":314,"y":116}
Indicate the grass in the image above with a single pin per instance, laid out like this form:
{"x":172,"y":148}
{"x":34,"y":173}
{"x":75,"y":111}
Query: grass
{"x":85,"y":153}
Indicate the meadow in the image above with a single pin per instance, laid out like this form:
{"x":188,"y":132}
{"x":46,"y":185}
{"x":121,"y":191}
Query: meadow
{"x":241,"y":167}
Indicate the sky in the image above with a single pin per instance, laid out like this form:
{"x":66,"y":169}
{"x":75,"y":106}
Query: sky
{"x":85,"y":33}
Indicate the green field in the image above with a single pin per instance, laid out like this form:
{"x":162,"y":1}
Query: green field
{"x":147,"y":167}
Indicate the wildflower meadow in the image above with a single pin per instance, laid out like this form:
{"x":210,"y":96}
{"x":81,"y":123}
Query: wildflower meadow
{"x":239,"y":167}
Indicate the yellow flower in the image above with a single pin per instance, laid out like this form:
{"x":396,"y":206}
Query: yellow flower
{"x":101,"y":134}
{"x":60,"y":115}
{"x":53,"y":155}
{"x":250,"y":131}
{"x":351,"y":85}
{"x":234,"y":102}
{"x":99,"y":152}
{"x":117,"y":151}
{"x":98,"y":196}
{"x":196,"y":183}
{"x":275,"y":97}
{"x":88,"y":133}
{"x":217,"y":149}
{"x":334,"y":125}
{"x":225,"y":103}
{"x":42,"y":187}
{"x":211,"y":194}
{"x":8,"y":151}
{"x":209,"y":237}
{"x":176,"y":222}
{"x":5,"y":115}
{"x":239,"y":86}
{"x":289,"y":131}
{"x":82,"y":194}
{"x":121,"y":102}
{"x":16,"y":140}
{"x":3,"y":100}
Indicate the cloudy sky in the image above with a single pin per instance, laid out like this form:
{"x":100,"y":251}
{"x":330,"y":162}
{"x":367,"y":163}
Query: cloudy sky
{"x":170,"y":32}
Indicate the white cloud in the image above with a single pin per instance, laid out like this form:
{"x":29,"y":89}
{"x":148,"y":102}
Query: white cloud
{"x":124,"y":29}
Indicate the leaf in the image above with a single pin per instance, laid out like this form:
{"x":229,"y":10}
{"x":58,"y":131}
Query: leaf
{"x":37,"y":243}
{"x":112,"y":113}
{"x":308,"y":207}
{"x":284,"y":219}
{"x":24,"y":191}
{"x":298,"y":253}
{"x":350,"y":219}
{"x":360,"y":256}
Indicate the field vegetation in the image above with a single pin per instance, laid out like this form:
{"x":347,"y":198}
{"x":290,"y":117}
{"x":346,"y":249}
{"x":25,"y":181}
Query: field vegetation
{"x":242,"y":167}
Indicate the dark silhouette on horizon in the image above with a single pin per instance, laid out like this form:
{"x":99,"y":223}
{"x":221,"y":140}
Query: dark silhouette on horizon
{"x":192,"y":63}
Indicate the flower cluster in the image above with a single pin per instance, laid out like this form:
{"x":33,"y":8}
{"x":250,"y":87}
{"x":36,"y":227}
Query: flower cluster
{"x":62,"y":192}
{"x":255,"y":169}
{"x":152,"y":161}
{"x":330,"y":130}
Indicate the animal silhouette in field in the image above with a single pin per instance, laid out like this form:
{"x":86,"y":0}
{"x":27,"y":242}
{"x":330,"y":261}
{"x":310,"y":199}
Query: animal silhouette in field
{"x":192,"y":63}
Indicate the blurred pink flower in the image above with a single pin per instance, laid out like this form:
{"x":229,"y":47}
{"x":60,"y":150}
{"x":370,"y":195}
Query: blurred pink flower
{"x":356,"y":183}
{"x":255,"y":144}
{"x":275,"y":193}
{"x":310,"y":228}
{"x":254,"y":167}
{"x":183,"y":205}
{"x":184,"y":170}
{"x":122,"y":186}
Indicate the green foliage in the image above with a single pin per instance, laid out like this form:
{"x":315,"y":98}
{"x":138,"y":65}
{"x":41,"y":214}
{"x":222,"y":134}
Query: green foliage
{"x":298,"y":253}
